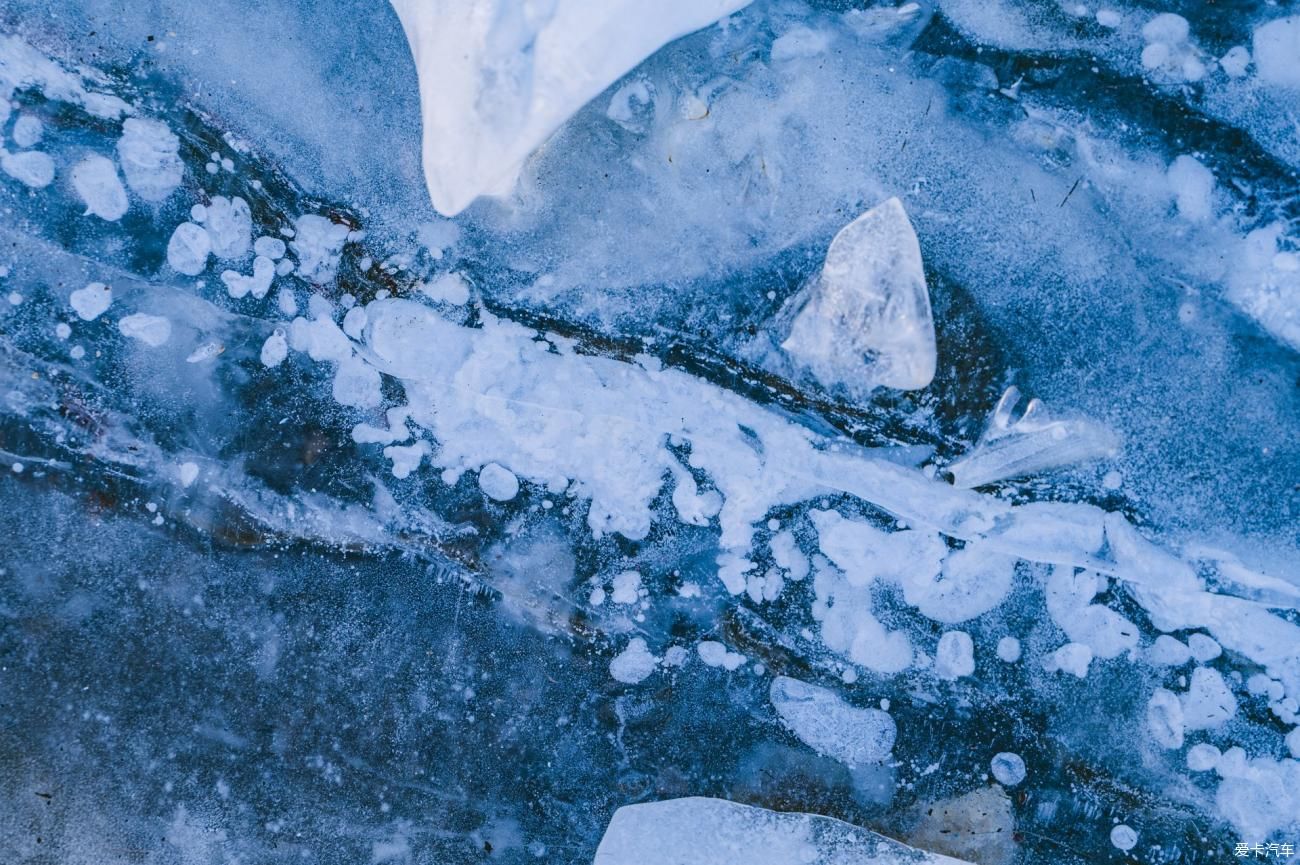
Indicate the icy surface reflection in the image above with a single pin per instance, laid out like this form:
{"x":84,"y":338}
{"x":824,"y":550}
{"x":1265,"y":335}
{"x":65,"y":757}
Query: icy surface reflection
{"x":886,"y":415}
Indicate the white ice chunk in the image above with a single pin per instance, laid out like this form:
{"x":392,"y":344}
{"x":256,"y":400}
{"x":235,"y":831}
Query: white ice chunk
{"x":1234,"y":62}
{"x":1167,"y":651}
{"x":1277,"y":52}
{"x":1123,"y":837}
{"x":318,"y":243}
{"x":257,"y":284}
{"x":100,"y":189}
{"x":499,"y":76}
{"x":447,"y":288}
{"x":1009,"y":650}
{"x":1035,"y":442}
{"x":1165,"y":719}
{"x":1193,"y":187}
{"x":188,"y":249}
{"x":230,"y":226}
{"x":1209,"y":701}
{"x":1265,"y":283}
{"x":30,"y":167}
{"x":865,"y":321}
{"x":972,"y":581}
{"x":275,"y":349}
{"x":1073,"y":658}
{"x":634,"y":663}
{"x":1069,"y":602}
{"x":152,"y":330}
{"x":830,"y":726}
{"x":699,"y":831}
{"x":150,"y":156}
{"x":406,"y":458}
{"x":1203,"y":757}
{"x":357,"y":384}
{"x":27,"y":131}
{"x":1007,"y":768}
{"x":955,"y":656}
{"x":269,"y":247}
{"x":1203,"y":648}
{"x":715,"y":654}
{"x":498,"y":482}
{"x":89,"y":303}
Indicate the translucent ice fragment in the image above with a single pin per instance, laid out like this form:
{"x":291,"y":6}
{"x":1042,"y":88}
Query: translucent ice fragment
{"x":1035,"y":442}
{"x":830,"y":726}
{"x":865,"y":322}
{"x":498,"y":77}
{"x":700,"y":831}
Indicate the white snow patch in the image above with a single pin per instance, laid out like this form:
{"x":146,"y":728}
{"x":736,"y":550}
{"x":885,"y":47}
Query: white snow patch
{"x":188,"y":249}
{"x":257,"y":284}
{"x":30,"y":167}
{"x":152,"y":330}
{"x":1209,"y":702}
{"x":275,"y":349}
{"x":149,"y":153}
{"x":1073,"y":658}
{"x":831,"y":727}
{"x":100,"y":189}
{"x":498,"y":482}
{"x":229,"y":225}
{"x":715,"y":654}
{"x":27,"y":131}
{"x":634,"y":663}
{"x":318,"y":243}
{"x":89,"y":303}
{"x":1277,"y":52}
{"x":955,"y":655}
{"x":1007,"y":768}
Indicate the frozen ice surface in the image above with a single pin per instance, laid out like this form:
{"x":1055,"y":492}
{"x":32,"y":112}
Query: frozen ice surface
{"x":700,"y":831}
{"x":340,"y":530}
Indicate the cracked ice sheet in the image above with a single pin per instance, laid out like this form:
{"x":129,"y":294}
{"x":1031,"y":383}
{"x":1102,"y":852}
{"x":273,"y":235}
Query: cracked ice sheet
{"x":554,"y":417}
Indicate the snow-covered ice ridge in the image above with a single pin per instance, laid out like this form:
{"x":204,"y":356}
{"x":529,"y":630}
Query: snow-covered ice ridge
{"x":172,"y":305}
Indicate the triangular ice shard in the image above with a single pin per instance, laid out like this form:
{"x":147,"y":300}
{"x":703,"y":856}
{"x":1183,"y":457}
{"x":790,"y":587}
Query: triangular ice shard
{"x":1034,"y":443}
{"x":700,"y":831}
{"x":865,"y":322}
{"x":497,"y":77}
